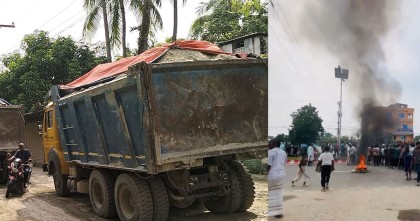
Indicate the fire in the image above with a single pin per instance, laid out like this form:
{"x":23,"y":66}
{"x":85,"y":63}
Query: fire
{"x":361,"y":165}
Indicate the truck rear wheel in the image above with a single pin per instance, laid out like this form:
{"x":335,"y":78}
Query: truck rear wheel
{"x":101,"y":193}
{"x":228,"y":203}
{"x":160,"y":199}
{"x":246,"y":185}
{"x":60,"y":181}
{"x":132,"y":198}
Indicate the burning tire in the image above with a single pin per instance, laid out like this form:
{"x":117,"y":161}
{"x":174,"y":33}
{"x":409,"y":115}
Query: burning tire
{"x":60,"y":181}
{"x":160,"y":199}
{"x":132,"y":198}
{"x":101,"y":193}
{"x":246,"y":185}
{"x":228,"y":203}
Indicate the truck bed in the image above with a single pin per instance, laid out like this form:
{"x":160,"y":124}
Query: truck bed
{"x":161,"y":117}
{"x":12,"y":127}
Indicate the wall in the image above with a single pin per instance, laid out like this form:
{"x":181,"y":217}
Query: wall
{"x":34,"y":142}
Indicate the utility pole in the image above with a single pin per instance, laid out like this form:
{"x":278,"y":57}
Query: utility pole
{"x":8,"y":26}
{"x":343,"y":74}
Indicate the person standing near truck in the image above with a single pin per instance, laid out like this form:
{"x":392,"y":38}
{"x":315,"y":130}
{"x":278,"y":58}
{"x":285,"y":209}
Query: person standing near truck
{"x":416,"y":156}
{"x":25,"y":155}
{"x":277,"y":159}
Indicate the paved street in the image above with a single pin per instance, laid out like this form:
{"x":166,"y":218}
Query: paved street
{"x":381,"y":194}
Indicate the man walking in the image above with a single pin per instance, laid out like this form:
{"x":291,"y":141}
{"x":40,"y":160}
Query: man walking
{"x":416,"y":155}
{"x":277,"y":159}
{"x":310,"y":153}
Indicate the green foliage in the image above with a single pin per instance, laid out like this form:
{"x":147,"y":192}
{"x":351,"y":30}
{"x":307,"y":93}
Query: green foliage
{"x":282,"y":138}
{"x":327,"y":138}
{"x":45,"y":62}
{"x":306,"y":126}
{"x":222,"y":20}
{"x":417,"y":138}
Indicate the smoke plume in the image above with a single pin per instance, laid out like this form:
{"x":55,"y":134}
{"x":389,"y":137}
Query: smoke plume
{"x":353,"y":32}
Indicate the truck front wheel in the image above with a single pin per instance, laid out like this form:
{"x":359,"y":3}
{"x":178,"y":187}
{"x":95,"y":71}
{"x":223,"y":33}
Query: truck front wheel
{"x":132,"y":198}
{"x":101,"y":193}
{"x":60,"y":181}
{"x":228,"y":203}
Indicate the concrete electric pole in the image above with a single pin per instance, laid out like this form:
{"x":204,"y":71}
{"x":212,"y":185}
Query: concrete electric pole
{"x":343,"y":74}
{"x":8,"y":26}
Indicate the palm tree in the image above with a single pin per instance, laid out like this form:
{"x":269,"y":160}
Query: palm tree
{"x":175,"y":2}
{"x":93,"y":8}
{"x":147,"y":10}
{"x":118,"y":25}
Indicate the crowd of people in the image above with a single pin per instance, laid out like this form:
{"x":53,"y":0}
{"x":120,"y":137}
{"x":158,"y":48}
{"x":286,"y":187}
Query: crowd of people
{"x":399,"y":156}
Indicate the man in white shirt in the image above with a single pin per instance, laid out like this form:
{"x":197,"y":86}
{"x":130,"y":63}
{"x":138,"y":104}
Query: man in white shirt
{"x":327,"y":160}
{"x":277,"y":159}
{"x":310,"y":153}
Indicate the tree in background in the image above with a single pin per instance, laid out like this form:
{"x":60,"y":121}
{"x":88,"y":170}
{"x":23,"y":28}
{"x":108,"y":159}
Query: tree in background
{"x":45,"y":62}
{"x":417,"y":138}
{"x":150,"y":18}
{"x":175,"y":29}
{"x":282,"y":138}
{"x":327,"y":138}
{"x":221,"y":20}
{"x":306,"y":126}
{"x":97,"y":10}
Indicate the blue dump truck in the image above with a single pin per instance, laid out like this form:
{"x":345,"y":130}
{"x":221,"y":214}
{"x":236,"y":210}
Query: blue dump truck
{"x":160,"y":135}
{"x":12,"y":132}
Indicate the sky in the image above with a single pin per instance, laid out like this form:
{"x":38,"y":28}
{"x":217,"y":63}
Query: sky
{"x":301,"y":72}
{"x":64,"y":18}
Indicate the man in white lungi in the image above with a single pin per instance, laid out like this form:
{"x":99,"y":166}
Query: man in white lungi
{"x":310,"y":153}
{"x":277,"y":159}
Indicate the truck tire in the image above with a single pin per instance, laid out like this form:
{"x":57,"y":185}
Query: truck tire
{"x":132,"y":198}
{"x":101,"y":193}
{"x":60,"y":181}
{"x":228,"y":203}
{"x":246,"y":185}
{"x":160,"y":199}
{"x":183,"y":204}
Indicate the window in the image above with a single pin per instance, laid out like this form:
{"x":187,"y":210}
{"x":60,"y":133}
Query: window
{"x":50,"y":119}
{"x":410,"y":116}
{"x":401,"y":115}
{"x":402,"y":137}
{"x":405,"y":126}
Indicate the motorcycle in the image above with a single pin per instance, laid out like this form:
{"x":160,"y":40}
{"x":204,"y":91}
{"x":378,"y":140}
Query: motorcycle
{"x":16,"y":181}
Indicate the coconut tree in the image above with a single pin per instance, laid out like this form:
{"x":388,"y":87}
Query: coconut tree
{"x":97,"y":9}
{"x":175,"y":29}
{"x":147,"y":10}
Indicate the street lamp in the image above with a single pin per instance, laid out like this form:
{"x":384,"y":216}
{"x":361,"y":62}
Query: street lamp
{"x":343,"y":74}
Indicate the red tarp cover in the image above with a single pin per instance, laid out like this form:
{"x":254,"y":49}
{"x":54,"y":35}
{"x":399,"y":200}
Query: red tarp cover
{"x":114,"y":68}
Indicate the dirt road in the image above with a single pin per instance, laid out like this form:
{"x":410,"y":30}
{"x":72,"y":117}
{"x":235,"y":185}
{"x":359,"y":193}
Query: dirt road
{"x":41,"y":203}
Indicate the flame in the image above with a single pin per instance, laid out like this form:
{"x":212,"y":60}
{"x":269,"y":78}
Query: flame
{"x":361,"y":165}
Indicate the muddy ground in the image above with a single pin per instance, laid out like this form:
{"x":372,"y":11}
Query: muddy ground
{"x":40,"y":202}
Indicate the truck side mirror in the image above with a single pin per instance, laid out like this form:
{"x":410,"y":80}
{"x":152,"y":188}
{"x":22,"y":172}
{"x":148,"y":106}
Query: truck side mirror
{"x":39,"y":129}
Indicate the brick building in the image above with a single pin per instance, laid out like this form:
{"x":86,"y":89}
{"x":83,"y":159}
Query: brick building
{"x":403,"y":116}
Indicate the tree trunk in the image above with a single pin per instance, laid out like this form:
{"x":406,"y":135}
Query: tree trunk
{"x":123,"y":40}
{"x":145,"y":27}
{"x":106,"y":26}
{"x":175,"y":20}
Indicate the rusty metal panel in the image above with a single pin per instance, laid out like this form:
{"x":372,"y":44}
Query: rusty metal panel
{"x":210,"y":108}
{"x":12,"y":127}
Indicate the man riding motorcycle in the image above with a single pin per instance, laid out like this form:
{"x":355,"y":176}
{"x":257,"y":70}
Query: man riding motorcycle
{"x":25,"y":155}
